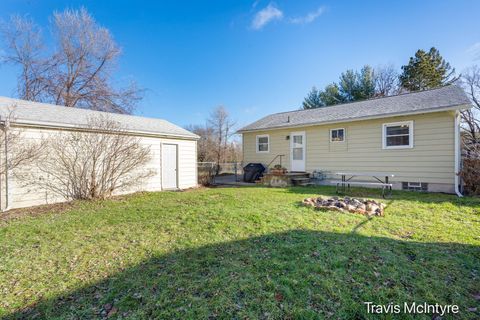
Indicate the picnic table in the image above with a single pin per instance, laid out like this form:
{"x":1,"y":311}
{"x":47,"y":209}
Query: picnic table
{"x":382,"y":180}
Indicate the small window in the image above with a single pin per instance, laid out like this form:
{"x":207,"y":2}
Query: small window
{"x":298,"y":140}
{"x":263,"y":143}
{"x":337,"y":135}
{"x":415,"y":186}
{"x":398,"y":135}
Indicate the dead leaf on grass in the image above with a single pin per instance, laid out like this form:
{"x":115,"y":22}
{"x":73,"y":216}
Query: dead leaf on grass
{"x":278,"y":297}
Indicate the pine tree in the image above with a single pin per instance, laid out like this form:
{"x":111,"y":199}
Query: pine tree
{"x":331,"y":95}
{"x":348,"y":85}
{"x":426,"y":70}
{"x":357,"y":85}
{"x":313,"y":100}
{"x":352,"y":86}
{"x":366,"y":83}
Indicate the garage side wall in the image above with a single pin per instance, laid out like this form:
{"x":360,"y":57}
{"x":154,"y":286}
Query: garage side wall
{"x":26,"y":193}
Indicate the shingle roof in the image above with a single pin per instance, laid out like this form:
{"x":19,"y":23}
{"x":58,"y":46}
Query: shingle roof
{"x":417,"y":102}
{"x":59,"y":116}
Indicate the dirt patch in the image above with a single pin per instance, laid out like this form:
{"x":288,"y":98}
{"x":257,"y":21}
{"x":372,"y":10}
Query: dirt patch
{"x":15,"y":214}
{"x":20,"y":213}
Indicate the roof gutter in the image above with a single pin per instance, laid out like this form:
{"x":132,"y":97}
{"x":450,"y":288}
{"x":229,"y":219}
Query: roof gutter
{"x":388,"y":115}
{"x":457,"y":154}
{"x":58,"y":125}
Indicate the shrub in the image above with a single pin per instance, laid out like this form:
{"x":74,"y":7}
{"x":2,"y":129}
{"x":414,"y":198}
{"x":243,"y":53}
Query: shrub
{"x":470,"y":175}
{"x":206,"y":173}
{"x":93,"y":162}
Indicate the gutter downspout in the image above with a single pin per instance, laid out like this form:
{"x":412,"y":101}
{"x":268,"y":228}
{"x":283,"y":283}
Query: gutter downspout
{"x":457,"y":154}
{"x":7,"y":198}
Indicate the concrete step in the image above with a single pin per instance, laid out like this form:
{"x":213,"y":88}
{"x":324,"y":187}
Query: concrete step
{"x":300,"y":181}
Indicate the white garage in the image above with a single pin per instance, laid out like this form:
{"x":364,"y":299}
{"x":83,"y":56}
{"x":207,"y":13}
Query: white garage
{"x":173,"y":158}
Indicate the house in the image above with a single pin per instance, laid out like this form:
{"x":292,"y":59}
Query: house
{"x":173,"y":149}
{"x":414,"y":136}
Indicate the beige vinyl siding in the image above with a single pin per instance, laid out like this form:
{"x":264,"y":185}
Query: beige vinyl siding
{"x":24,"y":194}
{"x":431,"y":159}
{"x":277,"y":145}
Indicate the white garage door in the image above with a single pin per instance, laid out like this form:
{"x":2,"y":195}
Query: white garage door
{"x":169,"y":166}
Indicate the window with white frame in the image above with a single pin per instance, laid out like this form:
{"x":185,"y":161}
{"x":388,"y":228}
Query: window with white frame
{"x":263,"y":143}
{"x":398,"y":135}
{"x":337,"y":135}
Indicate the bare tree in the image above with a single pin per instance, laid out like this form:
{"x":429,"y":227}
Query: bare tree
{"x":222,"y":126}
{"x":212,"y":150}
{"x":78,"y":72}
{"x":386,"y":80}
{"x":207,"y":148}
{"x":94,"y":162}
{"x":470,"y":81}
{"x":470,"y":173}
{"x":234,"y":151}
{"x":205,"y":153}
{"x":206,"y":143}
{"x":24,"y":46}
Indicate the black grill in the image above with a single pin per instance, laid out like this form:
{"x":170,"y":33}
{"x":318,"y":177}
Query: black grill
{"x":253,"y":172}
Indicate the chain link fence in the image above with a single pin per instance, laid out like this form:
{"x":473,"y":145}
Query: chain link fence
{"x":209,"y":171}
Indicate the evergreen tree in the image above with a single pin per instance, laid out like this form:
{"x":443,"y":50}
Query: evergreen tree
{"x":331,"y":95}
{"x":366,"y":83}
{"x":426,"y":70}
{"x":348,"y":85}
{"x":352,"y":86}
{"x":357,"y":85}
{"x":313,"y":100}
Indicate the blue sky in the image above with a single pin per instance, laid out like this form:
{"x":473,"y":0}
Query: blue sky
{"x":259,"y":57}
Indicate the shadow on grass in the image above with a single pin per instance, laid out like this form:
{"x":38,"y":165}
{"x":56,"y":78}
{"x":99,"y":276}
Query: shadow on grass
{"x":361,"y":224}
{"x":424,"y":197}
{"x":296,"y":274}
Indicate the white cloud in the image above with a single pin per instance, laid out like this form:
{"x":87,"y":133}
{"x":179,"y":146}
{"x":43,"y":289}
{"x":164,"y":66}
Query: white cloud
{"x":310,"y":17}
{"x":265,"y":16}
{"x":474,"y":51}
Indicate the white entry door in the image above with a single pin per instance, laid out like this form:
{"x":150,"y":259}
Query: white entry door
{"x":297,"y":151}
{"x":169,"y":166}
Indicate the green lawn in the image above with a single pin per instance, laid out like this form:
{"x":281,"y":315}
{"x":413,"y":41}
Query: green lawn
{"x":239,"y":253}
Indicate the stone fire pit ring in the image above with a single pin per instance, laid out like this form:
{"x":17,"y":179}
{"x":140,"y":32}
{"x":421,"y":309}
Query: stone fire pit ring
{"x":353,"y":205}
